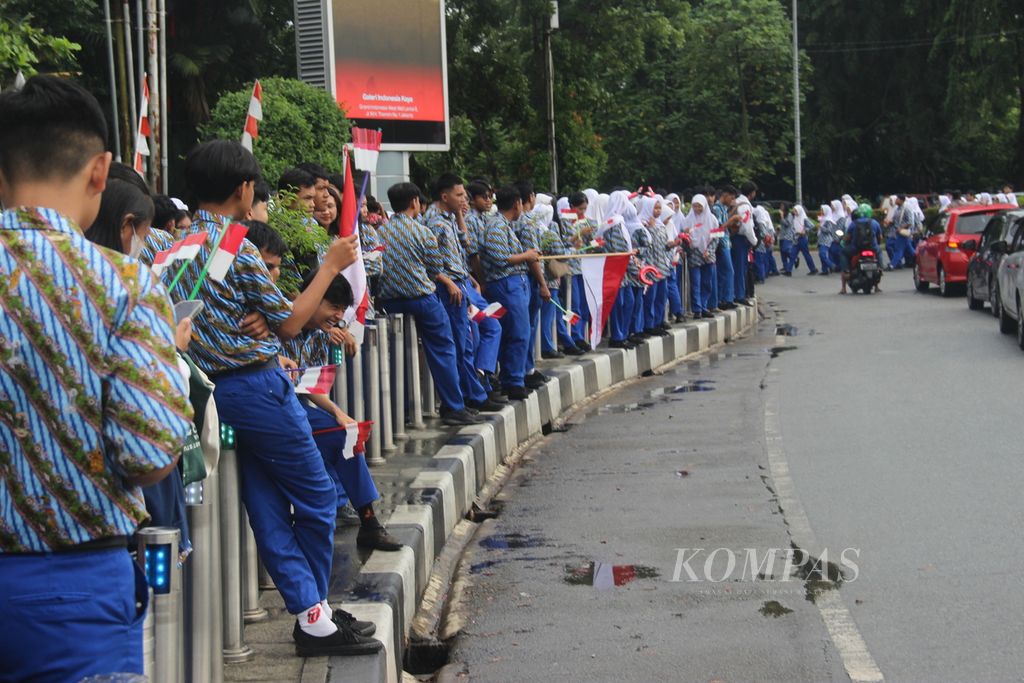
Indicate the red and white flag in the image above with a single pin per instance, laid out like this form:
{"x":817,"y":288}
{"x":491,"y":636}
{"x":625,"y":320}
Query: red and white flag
{"x":366,"y":148}
{"x":495,"y":311}
{"x":161,"y":260}
{"x":356,"y":436}
{"x":227,"y":250}
{"x":316,"y":380}
{"x":602,"y":276}
{"x":355,"y":316}
{"x":142,"y":130}
{"x":182,"y":250}
{"x":571,"y":318}
{"x":251,"y":130}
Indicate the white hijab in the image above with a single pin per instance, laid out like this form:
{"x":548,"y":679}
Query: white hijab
{"x":799,"y":219}
{"x":563,"y":205}
{"x":850,"y":203}
{"x":984,"y":199}
{"x":618,"y":204}
{"x":838,"y":210}
{"x":825,"y":215}
{"x":944,"y":201}
{"x":646,"y":211}
{"x":593,"y":206}
{"x":915,"y":208}
{"x":700,"y":226}
{"x":544,"y":213}
{"x":668,"y":213}
{"x":763,"y":217}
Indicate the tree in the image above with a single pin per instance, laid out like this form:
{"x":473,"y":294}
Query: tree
{"x":300,"y":123}
{"x":25,"y":48}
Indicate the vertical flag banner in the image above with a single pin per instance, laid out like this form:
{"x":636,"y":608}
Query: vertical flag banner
{"x":355,"y":316}
{"x":142,"y":130}
{"x":251,"y":130}
{"x":602,"y":277}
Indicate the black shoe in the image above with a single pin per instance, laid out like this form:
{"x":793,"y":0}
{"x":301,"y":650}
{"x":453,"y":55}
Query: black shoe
{"x":624,"y":344}
{"x":362,"y":628}
{"x":658,"y":332}
{"x":342,"y":643}
{"x":347,"y":516}
{"x":813,"y":272}
{"x":788,"y":274}
{"x":377,"y":538}
{"x":727,"y":306}
{"x":535,"y":380}
{"x":745,"y":302}
{"x":573,"y":351}
{"x":707,"y":314}
{"x":459,"y":418}
{"x":715,"y":311}
{"x":552,"y":355}
{"x":636,"y":339}
{"x":665,"y":326}
{"x":516,"y":393}
{"x":487,"y":406}
{"x":681,"y":318}
{"x":497,"y":397}
{"x":583,"y":346}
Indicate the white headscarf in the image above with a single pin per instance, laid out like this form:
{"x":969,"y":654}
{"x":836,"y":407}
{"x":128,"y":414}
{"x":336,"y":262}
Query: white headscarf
{"x":593,"y":206}
{"x":632,"y":218}
{"x":944,"y":201}
{"x":544,"y":199}
{"x":544,"y":213}
{"x":700,"y":226}
{"x":799,"y":219}
{"x":915,"y":208}
{"x":825,"y":213}
{"x":850,"y":203}
{"x":602,"y":203}
{"x":984,"y":199}
{"x":838,"y":210}
{"x":646,"y":209}
{"x":668,"y":213}
{"x":762,"y":216}
{"x":618,"y":205}
{"x":563,"y":205}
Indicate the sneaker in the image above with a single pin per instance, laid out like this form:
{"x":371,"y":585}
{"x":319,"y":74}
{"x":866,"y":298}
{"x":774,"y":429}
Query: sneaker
{"x":516,"y":393}
{"x":347,"y":516}
{"x":459,"y":418}
{"x":342,"y":643}
{"x":552,"y":355}
{"x":487,"y":406}
{"x":377,"y":538}
{"x":362,"y":628}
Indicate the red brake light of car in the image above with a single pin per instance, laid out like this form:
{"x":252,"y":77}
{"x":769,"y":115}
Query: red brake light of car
{"x":952,"y":246}
{"x":867,"y":254}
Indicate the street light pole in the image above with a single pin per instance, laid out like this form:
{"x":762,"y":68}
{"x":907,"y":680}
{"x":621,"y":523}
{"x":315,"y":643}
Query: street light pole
{"x":796,"y":111}
{"x":549,"y":72}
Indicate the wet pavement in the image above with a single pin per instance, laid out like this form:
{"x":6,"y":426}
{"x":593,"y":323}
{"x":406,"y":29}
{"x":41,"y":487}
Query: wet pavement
{"x":578,"y":578}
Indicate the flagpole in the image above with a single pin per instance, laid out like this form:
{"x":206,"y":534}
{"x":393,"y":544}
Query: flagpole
{"x":569,"y":257}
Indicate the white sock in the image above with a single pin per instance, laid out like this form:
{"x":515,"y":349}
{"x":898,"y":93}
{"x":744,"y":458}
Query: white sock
{"x":327,"y":608}
{"x":315,"y":621}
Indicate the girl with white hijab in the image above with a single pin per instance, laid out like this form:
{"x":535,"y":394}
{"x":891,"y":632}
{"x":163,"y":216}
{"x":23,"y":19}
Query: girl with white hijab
{"x":670,"y":220}
{"x":826,"y":236}
{"x":641,"y":237}
{"x":699,"y":223}
{"x":593,"y":212}
{"x":617,"y":241}
{"x":661,"y":259}
{"x":801,"y":225}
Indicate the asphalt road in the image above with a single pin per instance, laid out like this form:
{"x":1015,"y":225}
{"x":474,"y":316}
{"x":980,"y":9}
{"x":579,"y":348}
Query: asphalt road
{"x":896,"y":420}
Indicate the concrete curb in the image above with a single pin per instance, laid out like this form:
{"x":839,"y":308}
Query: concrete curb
{"x":390,"y":585}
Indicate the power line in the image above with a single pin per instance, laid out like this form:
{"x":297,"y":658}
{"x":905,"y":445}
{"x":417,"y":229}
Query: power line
{"x":881,"y":46}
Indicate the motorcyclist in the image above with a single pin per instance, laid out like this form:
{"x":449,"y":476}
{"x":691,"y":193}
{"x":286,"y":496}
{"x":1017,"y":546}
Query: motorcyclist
{"x":861,"y":235}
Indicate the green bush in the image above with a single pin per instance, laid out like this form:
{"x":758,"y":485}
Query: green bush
{"x":300,"y":123}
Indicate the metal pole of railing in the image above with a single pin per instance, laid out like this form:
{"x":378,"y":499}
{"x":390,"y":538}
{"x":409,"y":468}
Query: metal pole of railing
{"x":266,"y":583}
{"x":687,"y":304}
{"x":198,"y":586}
{"x":427,"y":383}
{"x":387,"y":442}
{"x":373,"y":400}
{"x":340,"y":378}
{"x":158,"y":553}
{"x":358,"y":373}
{"x":398,"y":327}
{"x":251,"y":611}
{"x":412,"y":352}
{"x":215,"y":645}
{"x":235,"y":649}
{"x":148,"y":642}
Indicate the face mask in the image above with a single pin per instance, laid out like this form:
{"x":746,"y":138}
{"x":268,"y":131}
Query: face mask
{"x":137,"y":245}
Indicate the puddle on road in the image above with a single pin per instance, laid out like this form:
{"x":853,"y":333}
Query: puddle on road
{"x":775,"y":609}
{"x":607,"y":576}
{"x":512,"y":540}
{"x":776,"y":351}
{"x":625,"y":408}
{"x":786,"y":330}
{"x":688,"y":388}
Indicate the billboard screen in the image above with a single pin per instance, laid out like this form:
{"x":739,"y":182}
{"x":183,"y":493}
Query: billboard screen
{"x":390,"y":69}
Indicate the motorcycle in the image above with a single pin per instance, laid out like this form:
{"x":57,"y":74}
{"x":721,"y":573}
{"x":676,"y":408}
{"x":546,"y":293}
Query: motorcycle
{"x":865,"y":272}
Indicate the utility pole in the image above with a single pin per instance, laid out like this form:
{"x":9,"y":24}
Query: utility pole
{"x":796,"y":111}
{"x":113,"y":80}
{"x":549,"y":73}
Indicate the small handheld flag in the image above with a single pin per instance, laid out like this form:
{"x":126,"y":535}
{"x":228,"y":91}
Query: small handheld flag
{"x":142,"y":130}
{"x":366,"y":148}
{"x":316,"y":380}
{"x":495,"y":311}
{"x":356,"y":437}
{"x":226,"y":251}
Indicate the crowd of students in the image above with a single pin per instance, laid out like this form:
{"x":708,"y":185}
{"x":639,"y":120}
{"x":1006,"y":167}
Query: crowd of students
{"x":102,"y":390}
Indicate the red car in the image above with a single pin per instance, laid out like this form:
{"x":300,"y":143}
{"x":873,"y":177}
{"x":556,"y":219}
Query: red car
{"x":941,"y":258}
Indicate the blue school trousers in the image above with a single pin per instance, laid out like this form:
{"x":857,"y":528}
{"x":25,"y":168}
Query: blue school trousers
{"x":740,"y":265}
{"x":71,"y":615}
{"x":462,"y":338}
{"x":512,"y":292}
{"x":825,"y":256}
{"x":535,"y":302}
{"x":581,"y":308}
{"x":802,"y":247}
{"x":435,"y":331}
{"x":287,"y":492}
{"x":621,"y":314}
{"x":726,"y":291}
{"x":702,"y":279}
{"x":672,"y":291}
{"x":486,"y":341}
{"x":786,"y":250}
{"x":550,"y":315}
{"x":638,"y":318}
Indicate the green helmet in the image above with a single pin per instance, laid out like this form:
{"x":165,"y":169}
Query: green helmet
{"x":863,"y":211}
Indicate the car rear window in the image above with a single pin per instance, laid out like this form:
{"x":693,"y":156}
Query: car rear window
{"x":972,"y":224}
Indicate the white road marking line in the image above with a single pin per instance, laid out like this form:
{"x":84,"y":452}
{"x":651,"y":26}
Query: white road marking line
{"x":859,"y":664}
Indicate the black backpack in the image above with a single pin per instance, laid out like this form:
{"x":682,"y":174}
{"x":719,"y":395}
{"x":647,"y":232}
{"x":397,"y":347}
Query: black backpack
{"x":863,"y":236}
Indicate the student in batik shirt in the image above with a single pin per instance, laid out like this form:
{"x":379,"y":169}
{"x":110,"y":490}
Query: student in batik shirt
{"x":92,"y":405}
{"x":288,"y":494}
